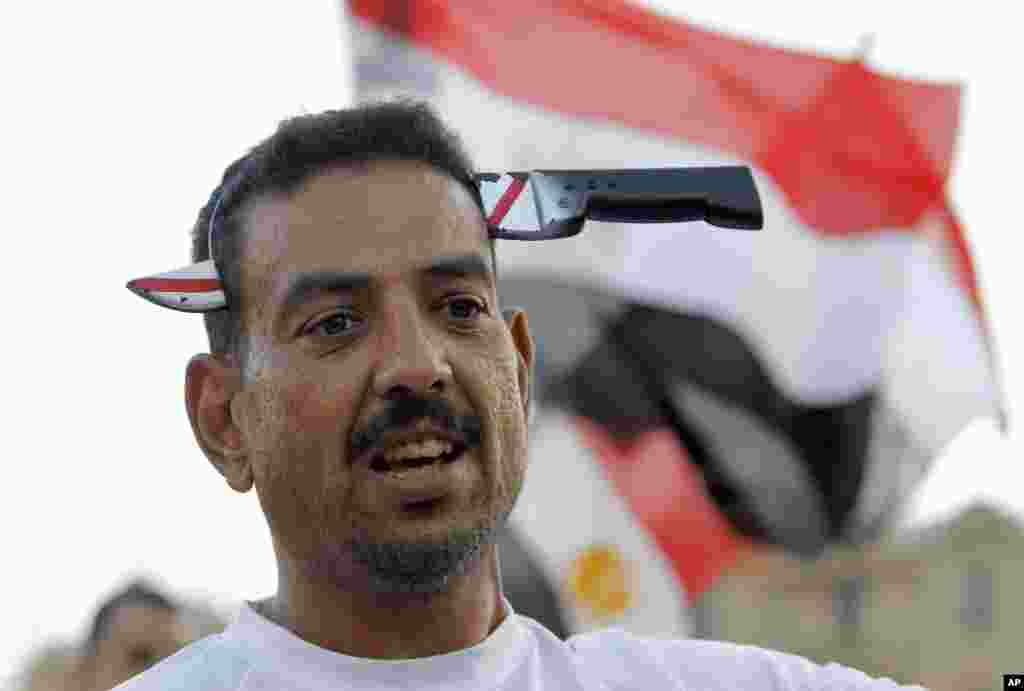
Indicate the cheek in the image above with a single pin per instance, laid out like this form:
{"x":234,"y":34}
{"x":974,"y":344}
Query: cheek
{"x":315,"y":408}
{"x":300,"y":419}
{"x":501,"y":397}
{"x":293,"y":401}
{"x":299,"y":460}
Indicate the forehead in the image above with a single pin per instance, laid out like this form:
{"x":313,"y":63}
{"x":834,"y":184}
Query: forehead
{"x":384,"y":219}
{"x":142,"y":623}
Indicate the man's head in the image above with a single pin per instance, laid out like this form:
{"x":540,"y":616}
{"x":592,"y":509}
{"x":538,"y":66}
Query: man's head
{"x":134,"y":629}
{"x":301,"y":148}
{"x":364,"y":291}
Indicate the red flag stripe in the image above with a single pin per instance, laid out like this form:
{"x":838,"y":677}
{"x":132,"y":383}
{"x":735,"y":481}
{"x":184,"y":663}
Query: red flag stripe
{"x":506,"y":201}
{"x":176,"y":285}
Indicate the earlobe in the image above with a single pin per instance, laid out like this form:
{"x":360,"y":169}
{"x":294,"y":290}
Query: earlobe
{"x":211,"y":387}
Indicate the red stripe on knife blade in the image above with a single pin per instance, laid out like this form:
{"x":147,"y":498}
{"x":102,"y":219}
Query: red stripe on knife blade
{"x":506,"y":201}
{"x":176,"y":285}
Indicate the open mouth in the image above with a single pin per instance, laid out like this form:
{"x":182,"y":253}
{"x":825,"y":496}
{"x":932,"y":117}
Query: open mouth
{"x":382,"y":465}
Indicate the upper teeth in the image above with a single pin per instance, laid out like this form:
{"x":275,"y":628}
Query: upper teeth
{"x":419,"y":449}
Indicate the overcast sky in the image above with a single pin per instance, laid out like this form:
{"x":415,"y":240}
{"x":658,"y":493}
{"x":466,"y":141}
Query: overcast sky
{"x":119,"y":119}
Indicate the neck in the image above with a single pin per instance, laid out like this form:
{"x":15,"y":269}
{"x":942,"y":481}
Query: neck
{"x":390,"y":626}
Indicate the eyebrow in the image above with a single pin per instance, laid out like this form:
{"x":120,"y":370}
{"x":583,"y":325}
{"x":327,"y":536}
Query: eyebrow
{"x":466,"y":266}
{"x":306,"y":286}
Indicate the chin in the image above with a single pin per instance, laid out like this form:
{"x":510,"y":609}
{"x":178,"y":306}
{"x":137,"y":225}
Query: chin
{"x":420,"y":567}
{"x":423,"y":559}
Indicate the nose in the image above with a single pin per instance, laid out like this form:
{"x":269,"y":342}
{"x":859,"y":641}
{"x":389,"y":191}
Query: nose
{"x":412,"y":362}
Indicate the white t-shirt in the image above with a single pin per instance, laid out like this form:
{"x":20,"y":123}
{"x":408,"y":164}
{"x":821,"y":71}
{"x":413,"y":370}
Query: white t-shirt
{"x":254,"y":654}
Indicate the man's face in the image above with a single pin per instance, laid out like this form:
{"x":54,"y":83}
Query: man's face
{"x":139,"y":637}
{"x":371,"y":311}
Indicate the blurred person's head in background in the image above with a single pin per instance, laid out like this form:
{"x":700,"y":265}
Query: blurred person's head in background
{"x":131,"y":631}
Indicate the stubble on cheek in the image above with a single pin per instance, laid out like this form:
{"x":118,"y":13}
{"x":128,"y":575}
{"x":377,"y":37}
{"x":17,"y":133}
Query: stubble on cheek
{"x":299,"y":459}
{"x":505,"y":402}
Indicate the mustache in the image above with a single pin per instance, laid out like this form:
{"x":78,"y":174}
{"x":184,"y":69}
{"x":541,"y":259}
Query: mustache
{"x":405,"y":411}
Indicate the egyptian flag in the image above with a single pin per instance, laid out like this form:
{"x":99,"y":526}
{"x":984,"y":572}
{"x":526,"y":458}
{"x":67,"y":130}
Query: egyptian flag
{"x":704,"y":388}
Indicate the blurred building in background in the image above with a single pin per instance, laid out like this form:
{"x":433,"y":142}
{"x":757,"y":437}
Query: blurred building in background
{"x":941,"y":607}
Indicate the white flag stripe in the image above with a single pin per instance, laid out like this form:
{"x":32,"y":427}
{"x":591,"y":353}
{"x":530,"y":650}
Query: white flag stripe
{"x":200,"y":270}
{"x":188,"y":302}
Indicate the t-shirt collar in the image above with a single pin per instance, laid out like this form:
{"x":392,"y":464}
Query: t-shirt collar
{"x":483,"y":664}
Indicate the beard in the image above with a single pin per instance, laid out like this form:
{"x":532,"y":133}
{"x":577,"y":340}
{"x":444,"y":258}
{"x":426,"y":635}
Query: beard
{"x":406,"y":568}
{"x":421,"y":568}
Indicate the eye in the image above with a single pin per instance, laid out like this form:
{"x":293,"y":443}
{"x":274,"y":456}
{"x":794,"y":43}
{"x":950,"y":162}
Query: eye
{"x":333,"y":325}
{"x":465,"y":309}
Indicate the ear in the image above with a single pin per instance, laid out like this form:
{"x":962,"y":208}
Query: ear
{"x":211,"y":384}
{"x":520,"y":330}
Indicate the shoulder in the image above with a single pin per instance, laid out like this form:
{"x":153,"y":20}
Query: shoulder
{"x":686,"y":664}
{"x":207,"y":664}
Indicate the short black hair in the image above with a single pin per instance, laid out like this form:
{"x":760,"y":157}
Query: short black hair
{"x":305,"y":146}
{"x":136,"y":594}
